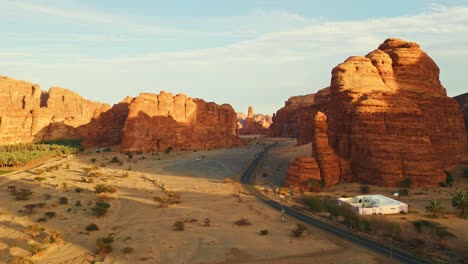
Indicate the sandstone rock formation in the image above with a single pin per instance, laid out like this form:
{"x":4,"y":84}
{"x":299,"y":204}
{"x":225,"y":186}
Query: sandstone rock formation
{"x":253,"y":124}
{"x":28,"y":114}
{"x":388,"y":119}
{"x":285,"y":121}
{"x":301,"y":171}
{"x":157,"y":122}
{"x":148,"y":122}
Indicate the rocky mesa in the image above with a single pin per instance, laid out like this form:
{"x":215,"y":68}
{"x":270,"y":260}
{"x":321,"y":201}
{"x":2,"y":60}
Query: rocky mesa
{"x":387,"y":119}
{"x":149,"y":122}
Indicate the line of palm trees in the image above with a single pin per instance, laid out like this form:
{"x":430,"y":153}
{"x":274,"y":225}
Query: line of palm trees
{"x":459,"y":202}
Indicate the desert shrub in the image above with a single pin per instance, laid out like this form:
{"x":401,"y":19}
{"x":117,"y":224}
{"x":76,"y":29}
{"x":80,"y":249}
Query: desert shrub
{"x":313,"y":185}
{"x":443,"y":184}
{"x":242,"y":222}
{"x":78,"y":189}
{"x":406,"y":183}
{"x":127,"y":250}
{"x":53,"y":237}
{"x":34,"y":230}
{"x":264,"y":232}
{"x":78,"y":203}
{"x":21,"y":195}
{"x":129,"y":155}
{"x":207,"y":222}
{"x":100,"y":209}
{"x":299,"y":230}
{"x":47,"y":196}
{"x":104,"y":245}
{"x":439,"y":230}
{"x":30,"y":208}
{"x":50,"y":214}
{"x":314,"y":203}
{"x":178,"y":226}
{"x":93,"y":160}
{"x":41,"y":220}
{"x":169,"y":150}
{"x":115,"y":160}
{"x":92,"y":227}
{"x":365,"y":188}
{"x":63,"y":200}
{"x":19,"y":260}
{"x":35,"y":247}
{"x":465,"y":172}
{"x":102,"y":188}
{"x":39,"y":179}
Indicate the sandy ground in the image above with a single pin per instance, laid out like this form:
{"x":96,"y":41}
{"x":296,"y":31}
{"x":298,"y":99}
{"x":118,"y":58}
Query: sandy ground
{"x":138,"y":221}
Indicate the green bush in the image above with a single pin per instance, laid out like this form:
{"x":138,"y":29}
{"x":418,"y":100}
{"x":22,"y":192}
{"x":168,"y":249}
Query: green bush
{"x":178,"y":226}
{"x":465,"y":172}
{"x":314,"y":203}
{"x":21,"y":195}
{"x":442,"y":184}
{"x":242,"y":222}
{"x":63,"y":200}
{"x":299,"y":230}
{"x":50,"y":214}
{"x":104,"y":245}
{"x":449,"y":178}
{"x":92,"y":227}
{"x":100,"y":209}
{"x":264,"y":232}
{"x":115,"y":160}
{"x":102,"y":188}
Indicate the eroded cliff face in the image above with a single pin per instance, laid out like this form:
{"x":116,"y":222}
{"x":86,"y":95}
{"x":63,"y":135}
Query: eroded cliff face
{"x":388,"y":118}
{"x":156,"y":122}
{"x":285,"y":121}
{"x":28,"y":114}
{"x":149,"y":122}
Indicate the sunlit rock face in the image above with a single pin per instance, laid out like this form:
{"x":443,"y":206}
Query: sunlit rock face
{"x":388,"y":118}
{"x":156,"y":122}
{"x":28,"y":114}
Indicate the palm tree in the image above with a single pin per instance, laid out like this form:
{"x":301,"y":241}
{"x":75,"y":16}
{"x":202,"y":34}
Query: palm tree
{"x":460,"y":201}
{"x":435,"y":207}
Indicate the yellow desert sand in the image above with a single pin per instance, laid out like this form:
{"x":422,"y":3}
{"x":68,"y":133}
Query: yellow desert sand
{"x":154,"y":192}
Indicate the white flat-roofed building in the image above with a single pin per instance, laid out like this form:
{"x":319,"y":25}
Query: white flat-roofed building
{"x":374,"y":204}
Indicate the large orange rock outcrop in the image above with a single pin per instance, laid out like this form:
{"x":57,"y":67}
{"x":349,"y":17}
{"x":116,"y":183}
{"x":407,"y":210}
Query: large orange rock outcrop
{"x":156,"y":122}
{"x":28,"y":114}
{"x":301,"y":170}
{"x":285,"y":120}
{"x":388,"y":119}
{"x":253,"y":124}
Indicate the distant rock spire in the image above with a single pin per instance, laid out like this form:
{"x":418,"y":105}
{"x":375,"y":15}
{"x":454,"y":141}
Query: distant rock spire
{"x":250,"y":113}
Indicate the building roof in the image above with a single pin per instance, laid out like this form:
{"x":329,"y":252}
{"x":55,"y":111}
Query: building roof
{"x":376,"y":199}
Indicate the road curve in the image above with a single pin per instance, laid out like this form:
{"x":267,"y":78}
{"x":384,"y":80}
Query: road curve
{"x":247,"y":180}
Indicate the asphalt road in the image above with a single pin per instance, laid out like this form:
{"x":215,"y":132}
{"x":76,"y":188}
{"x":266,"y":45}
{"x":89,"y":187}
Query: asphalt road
{"x":247,"y":181}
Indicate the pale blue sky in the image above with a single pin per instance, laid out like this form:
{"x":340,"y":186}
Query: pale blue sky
{"x":242,"y":52}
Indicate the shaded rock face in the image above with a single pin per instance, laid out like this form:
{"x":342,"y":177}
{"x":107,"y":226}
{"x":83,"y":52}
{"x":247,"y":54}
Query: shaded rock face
{"x":462,"y":100}
{"x":388,"y":118}
{"x":156,"y":122}
{"x":28,"y":114}
{"x":285,"y":121}
{"x":301,"y":170}
{"x":253,"y":124}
